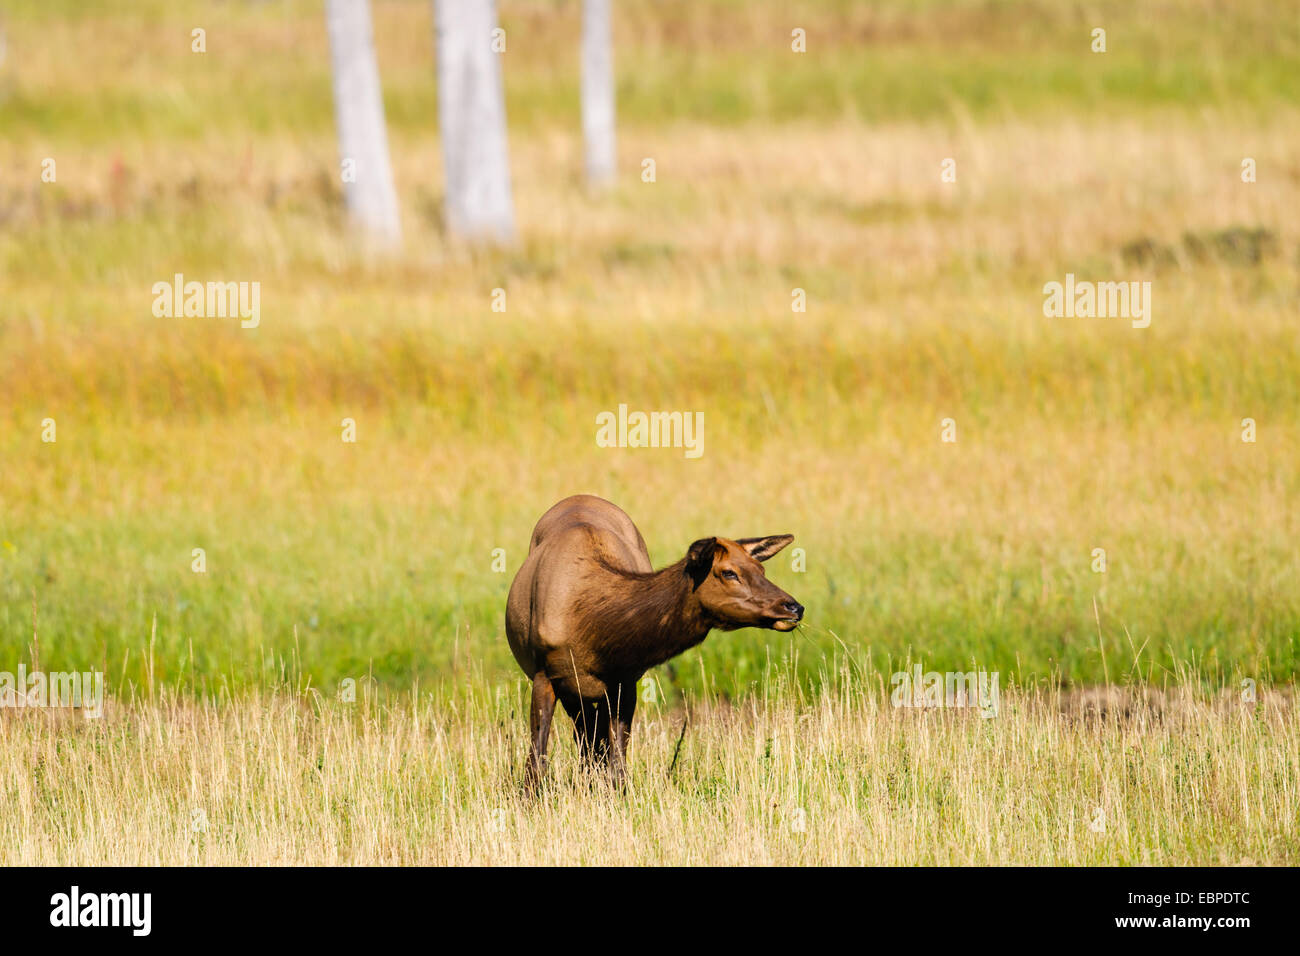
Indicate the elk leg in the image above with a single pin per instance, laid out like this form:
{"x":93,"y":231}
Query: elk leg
{"x":591,"y":728}
{"x":620,"y":730}
{"x":539,"y":722}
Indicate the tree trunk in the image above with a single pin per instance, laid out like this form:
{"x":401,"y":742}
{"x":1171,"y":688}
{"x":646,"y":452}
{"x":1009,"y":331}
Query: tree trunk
{"x":359,"y":109}
{"x":598,"y":93}
{"x":472,"y":121}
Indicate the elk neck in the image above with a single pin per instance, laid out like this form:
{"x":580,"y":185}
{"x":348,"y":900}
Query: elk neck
{"x":641,"y":620}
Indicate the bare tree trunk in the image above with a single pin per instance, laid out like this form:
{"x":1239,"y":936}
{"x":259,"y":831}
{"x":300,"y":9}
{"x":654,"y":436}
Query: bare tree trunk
{"x":598,"y":93}
{"x":472,"y":121}
{"x":359,"y":109}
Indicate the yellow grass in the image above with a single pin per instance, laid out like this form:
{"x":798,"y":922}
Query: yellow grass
{"x":842,"y":778}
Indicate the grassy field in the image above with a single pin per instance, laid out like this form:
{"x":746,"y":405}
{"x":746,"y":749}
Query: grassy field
{"x":373,"y":560}
{"x":839,"y":777}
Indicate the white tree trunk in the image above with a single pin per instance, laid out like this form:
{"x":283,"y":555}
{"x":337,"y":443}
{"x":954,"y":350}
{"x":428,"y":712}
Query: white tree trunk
{"x":598,"y":93}
{"x":472,"y":121}
{"x":359,"y":110}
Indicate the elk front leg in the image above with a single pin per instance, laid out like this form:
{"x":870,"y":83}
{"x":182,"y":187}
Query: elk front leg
{"x":591,"y":728}
{"x":620,"y":730}
{"x":539,"y":722}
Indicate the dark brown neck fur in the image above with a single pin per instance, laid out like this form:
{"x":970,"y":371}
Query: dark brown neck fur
{"x":641,"y":620}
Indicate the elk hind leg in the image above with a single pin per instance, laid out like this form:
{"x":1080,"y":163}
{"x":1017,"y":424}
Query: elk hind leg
{"x":539,"y":723}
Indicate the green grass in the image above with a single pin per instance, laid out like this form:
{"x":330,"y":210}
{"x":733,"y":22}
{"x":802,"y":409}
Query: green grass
{"x":715,"y":63}
{"x":776,"y":170}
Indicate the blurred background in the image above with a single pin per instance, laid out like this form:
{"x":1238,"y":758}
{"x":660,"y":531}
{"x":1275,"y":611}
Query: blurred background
{"x":775,"y":170}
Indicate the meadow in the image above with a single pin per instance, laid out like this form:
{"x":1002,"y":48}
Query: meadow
{"x":373,"y":561}
{"x":835,"y":778}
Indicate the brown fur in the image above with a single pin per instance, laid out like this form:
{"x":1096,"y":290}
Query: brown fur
{"x":587,"y":617}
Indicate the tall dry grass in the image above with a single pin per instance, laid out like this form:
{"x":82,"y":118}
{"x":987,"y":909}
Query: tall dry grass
{"x":842,"y":777}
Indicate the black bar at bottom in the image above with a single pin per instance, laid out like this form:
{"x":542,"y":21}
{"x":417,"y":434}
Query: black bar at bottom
{"x":945,"y":906}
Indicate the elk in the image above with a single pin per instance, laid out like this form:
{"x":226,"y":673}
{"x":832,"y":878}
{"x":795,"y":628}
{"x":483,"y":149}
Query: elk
{"x":587,"y":616}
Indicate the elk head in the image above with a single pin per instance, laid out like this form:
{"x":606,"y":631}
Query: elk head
{"x":732,"y":588}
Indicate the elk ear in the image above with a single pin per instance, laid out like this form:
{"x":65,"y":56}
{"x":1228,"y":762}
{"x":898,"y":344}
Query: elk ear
{"x":699,"y":559}
{"x":760,"y":549}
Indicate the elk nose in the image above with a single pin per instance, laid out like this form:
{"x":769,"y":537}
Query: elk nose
{"x":793,"y":608}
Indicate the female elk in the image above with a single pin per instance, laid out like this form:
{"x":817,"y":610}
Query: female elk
{"x":587,"y":616}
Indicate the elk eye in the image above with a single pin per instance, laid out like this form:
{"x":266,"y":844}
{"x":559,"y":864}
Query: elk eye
{"x":729,"y":576}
